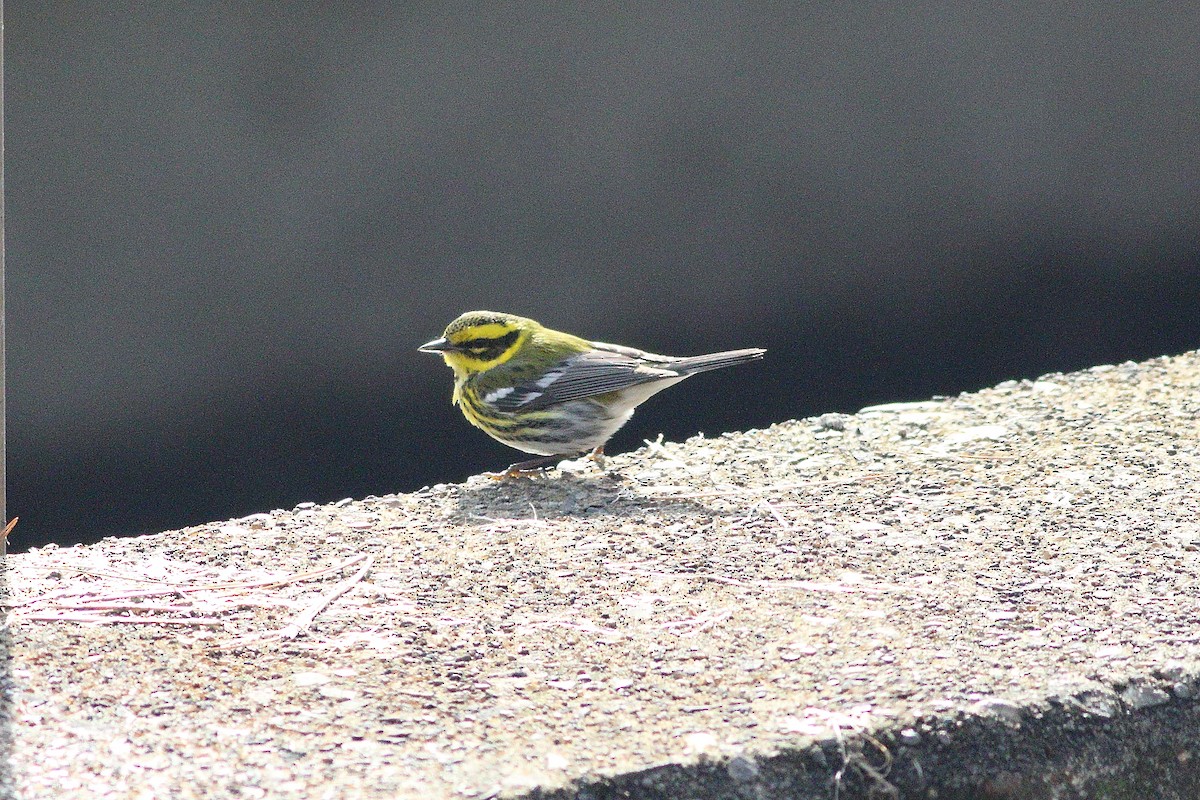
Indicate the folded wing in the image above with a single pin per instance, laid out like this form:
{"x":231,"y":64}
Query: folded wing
{"x":607,"y":368}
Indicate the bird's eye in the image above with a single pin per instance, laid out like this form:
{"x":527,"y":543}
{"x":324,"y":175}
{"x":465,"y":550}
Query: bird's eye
{"x":478,"y":350}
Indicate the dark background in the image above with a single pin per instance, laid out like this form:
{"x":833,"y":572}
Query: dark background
{"x":229,"y":225}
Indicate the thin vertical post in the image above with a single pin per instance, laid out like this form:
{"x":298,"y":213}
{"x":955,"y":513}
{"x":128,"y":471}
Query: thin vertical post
{"x":3,"y":382}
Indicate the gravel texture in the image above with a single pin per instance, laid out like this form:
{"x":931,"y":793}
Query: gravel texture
{"x":996,"y":592}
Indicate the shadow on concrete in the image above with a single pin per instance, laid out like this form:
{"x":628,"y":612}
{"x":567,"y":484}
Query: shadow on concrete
{"x":1090,"y":746}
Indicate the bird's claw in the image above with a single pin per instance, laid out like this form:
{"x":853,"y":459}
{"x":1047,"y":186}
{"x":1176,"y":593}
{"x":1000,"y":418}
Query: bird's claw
{"x":524,"y":469}
{"x":539,"y":466}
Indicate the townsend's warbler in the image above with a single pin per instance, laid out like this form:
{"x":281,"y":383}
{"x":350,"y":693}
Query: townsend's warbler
{"x":551,"y":393}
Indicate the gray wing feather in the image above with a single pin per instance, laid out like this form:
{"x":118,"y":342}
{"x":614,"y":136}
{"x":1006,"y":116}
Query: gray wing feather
{"x":588,"y":374}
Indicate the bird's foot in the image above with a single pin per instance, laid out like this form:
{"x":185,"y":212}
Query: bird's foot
{"x":584,"y":463}
{"x":538,"y":466}
{"x":524,"y":469}
{"x":597,"y":455}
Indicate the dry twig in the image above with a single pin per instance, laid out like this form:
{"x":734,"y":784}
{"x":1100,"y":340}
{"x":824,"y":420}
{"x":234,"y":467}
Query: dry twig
{"x":305,"y":618}
{"x":86,"y":606}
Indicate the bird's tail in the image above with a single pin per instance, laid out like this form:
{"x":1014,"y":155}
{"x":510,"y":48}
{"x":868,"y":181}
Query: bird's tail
{"x":690,"y":366}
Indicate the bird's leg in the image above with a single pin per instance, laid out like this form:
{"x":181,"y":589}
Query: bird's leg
{"x":524,"y":469}
{"x":597,"y":455}
{"x":537,"y":466}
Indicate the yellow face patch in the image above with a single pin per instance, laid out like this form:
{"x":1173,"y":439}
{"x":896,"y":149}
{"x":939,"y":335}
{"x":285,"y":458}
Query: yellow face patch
{"x":483,"y":347}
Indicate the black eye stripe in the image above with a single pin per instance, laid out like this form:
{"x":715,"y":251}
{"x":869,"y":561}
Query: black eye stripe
{"x":494,"y":345}
{"x":494,"y":341}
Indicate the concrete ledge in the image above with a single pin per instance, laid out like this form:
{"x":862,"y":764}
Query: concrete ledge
{"x":993,"y":595}
{"x":1058,"y":750}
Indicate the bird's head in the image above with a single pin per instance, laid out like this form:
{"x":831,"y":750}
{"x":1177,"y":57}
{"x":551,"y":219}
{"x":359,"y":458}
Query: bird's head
{"x":480,"y":340}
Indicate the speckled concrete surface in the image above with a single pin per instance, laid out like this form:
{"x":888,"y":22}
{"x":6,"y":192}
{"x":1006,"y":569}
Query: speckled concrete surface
{"x":830,"y":606}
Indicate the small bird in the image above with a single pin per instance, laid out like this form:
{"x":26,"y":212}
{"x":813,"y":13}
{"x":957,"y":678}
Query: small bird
{"x":551,"y":393}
